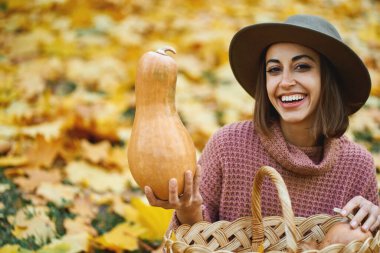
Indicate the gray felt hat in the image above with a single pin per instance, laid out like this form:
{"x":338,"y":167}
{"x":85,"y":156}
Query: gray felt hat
{"x":311,"y":31}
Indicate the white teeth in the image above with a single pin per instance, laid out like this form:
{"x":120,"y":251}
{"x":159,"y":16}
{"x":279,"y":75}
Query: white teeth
{"x":292,"y":98}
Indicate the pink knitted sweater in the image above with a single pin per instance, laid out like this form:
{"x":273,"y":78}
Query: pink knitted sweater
{"x":318,"y":178}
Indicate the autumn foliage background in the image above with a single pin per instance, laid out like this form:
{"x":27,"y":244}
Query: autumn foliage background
{"x":67,"y":71}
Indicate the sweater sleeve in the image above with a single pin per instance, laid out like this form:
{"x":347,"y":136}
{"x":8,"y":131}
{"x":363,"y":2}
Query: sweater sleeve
{"x":211,"y":183}
{"x":364,"y":174}
{"x":371,"y":192}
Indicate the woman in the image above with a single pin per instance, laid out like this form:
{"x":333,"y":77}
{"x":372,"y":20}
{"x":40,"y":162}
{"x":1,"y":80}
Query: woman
{"x":306,"y":82}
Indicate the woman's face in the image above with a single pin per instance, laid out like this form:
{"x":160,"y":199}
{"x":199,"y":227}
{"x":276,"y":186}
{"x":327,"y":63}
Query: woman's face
{"x":293,"y":82}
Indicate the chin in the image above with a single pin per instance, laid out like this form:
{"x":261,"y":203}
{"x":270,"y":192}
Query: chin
{"x":293,"y":120}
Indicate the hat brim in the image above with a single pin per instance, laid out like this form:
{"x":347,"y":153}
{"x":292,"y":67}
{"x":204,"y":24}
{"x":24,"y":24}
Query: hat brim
{"x":248,"y":44}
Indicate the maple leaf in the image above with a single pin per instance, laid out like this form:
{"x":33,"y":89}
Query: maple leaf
{"x":72,"y":243}
{"x":5,"y":147}
{"x":116,"y":159}
{"x":11,"y":160}
{"x":81,"y":172}
{"x":33,"y":221}
{"x":43,"y":152}
{"x":4,"y":187}
{"x":155,"y":219}
{"x":79,"y":225}
{"x":49,"y":130}
{"x":35,"y":177}
{"x":123,"y":236}
{"x":59,"y":194}
{"x":83,"y":206}
{"x":95,"y":153}
{"x":10,"y":249}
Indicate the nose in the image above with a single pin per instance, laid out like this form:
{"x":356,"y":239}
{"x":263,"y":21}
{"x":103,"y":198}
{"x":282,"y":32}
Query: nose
{"x":287,"y":79}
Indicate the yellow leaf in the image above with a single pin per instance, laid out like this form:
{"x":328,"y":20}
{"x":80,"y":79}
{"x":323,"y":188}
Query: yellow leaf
{"x":9,"y":249}
{"x":8,"y":161}
{"x":68,"y":244}
{"x":131,"y":213}
{"x":49,"y":130}
{"x":38,"y":225}
{"x":79,"y":225}
{"x":43,"y":152}
{"x":97,"y":179}
{"x":59,"y":194}
{"x":123,"y":236}
{"x":155,"y":219}
{"x":31,"y":178}
{"x":95,"y":153}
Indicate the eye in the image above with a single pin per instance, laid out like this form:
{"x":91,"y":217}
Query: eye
{"x":273,"y":70}
{"x":302,"y":67}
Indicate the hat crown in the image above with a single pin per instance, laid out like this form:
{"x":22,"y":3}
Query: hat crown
{"x":315,"y":23}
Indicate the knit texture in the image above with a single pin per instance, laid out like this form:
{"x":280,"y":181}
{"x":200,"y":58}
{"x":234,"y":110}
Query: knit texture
{"x":318,"y":178}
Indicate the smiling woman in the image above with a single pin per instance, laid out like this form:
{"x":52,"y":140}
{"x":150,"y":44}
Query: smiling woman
{"x":305,"y":82}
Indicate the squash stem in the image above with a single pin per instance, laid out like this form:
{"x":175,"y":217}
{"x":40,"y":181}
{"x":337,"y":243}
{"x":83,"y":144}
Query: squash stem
{"x":164,"y":49}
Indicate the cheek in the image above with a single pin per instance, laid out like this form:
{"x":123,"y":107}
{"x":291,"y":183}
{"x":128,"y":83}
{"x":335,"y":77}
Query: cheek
{"x":271,"y":90}
{"x":270,"y":86}
{"x":316,"y":89}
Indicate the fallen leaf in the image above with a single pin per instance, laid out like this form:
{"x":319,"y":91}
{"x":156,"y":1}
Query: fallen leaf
{"x":59,"y":194}
{"x":80,"y":172}
{"x":71,"y":243}
{"x":154,"y":219}
{"x":116,"y":159}
{"x":43,"y":152}
{"x":5,"y":147}
{"x":35,"y":177}
{"x":4,"y":187}
{"x":33,"y":221}
{"x":83,"y":206}
{"x":49,"y":130}
{"x":12,"y":161}
{"x":10,"y":249}
{"x":122,"y":237}
{"x":95,"y":153}
{"x":79,"y":225}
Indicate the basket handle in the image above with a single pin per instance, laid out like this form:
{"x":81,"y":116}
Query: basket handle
{"x":287,"y":212}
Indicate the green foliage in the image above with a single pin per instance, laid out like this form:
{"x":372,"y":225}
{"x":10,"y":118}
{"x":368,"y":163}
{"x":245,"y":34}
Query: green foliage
{"x":58,"y":214}
{"x":105,"y":220}
{"x":12,"y":200}
{"x":369,"y":140}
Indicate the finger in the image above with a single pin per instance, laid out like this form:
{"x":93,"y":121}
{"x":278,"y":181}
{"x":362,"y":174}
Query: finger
{"x":173,"y":192}
{"x":188,"y":188}
{"x":351,"y":205}
{"x":370,"y":221}
{"x":153,"y":201}
{"x":360,"y":215}
{"x":375,"y":226}
{"x":197,"y":180}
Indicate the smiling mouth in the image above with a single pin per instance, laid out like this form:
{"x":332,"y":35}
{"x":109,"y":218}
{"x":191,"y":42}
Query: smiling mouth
{"x":292,"y":98}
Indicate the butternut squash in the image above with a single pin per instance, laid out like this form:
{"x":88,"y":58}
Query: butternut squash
{"x":160,"y":147}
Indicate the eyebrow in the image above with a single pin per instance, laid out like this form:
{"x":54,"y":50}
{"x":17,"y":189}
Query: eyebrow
{"x":295,"y":58}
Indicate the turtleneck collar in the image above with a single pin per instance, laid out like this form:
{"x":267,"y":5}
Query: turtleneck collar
{"x":301,"y":160}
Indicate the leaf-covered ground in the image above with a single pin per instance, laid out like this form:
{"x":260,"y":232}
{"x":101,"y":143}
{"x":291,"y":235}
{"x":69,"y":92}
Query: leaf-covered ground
{"x":67,"y":71}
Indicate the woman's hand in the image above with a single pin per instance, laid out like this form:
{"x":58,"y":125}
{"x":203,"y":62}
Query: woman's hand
{"x":366,"y":214}
{"x":188,"y":205}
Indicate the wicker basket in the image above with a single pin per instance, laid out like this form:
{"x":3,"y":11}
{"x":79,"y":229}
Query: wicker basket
{"x":271,"y":234}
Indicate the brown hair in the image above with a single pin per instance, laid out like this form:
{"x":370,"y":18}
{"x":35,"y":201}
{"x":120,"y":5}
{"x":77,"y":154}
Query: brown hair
{"x":331,"y":112}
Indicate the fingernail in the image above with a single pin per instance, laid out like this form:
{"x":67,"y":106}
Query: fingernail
{"x":353,"y":224}
{"x":343,"y":212}
{"x":365,"y":227}
{"x":173,"y":182}
{"x":146,"y":189}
